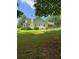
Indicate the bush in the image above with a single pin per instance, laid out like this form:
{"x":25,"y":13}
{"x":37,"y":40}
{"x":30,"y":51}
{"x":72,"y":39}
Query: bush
{"x":28,"y":28}
{"x":23,"y":28}
{"x":19,"y":26}
{"x":36,"y":28}
{"x":47,"y":28}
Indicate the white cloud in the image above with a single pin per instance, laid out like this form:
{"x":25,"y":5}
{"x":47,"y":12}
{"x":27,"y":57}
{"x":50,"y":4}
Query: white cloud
{"x":29,"y":2}
{"x":23,"y":0}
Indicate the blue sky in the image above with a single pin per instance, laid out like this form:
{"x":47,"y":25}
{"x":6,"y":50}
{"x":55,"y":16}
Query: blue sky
{"x":26,"y":6}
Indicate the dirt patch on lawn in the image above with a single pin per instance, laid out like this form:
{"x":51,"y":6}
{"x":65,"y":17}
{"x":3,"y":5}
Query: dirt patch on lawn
{"x":44,"y":52}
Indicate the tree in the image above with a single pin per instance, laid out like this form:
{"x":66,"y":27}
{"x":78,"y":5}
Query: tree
{"x":19,"y":13}
{"x":48,"y":7}
{"x":55,"y":19}
{"x":22,"y":20}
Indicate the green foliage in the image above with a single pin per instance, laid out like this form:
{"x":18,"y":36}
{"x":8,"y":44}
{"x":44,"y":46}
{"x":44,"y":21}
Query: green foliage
{"x":22,"y":20}
{"x":19,"y":13}
{"x":36,"y":28}
{"x":48,"y":7}
{"x":23,"y":28}
{"x":58,"y":23}
{"x":55,"y":19}
{"x":19,"y":25}
{"x":28,"y":28}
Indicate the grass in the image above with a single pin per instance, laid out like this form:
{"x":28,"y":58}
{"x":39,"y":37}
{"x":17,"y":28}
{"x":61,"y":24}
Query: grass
{"x":32,"y":43}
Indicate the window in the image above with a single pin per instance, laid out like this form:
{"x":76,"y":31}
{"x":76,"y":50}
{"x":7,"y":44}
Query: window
{"x":43,"y":24}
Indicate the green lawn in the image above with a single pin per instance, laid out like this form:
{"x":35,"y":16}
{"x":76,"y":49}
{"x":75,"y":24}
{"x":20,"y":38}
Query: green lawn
{"x":36,"y":44}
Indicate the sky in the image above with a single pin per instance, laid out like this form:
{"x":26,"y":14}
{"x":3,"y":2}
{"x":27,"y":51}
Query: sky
{"x":26,"y":6}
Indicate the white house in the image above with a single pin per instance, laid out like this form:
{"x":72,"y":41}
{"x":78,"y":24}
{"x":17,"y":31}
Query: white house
{"x":41,"y":24}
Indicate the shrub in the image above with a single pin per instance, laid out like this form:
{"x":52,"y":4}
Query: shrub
{"x":28,"y":28}
{"x":23,"y":28}
{"x":36,"y":28}
{"x":46,"y":28}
